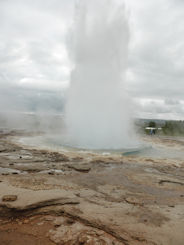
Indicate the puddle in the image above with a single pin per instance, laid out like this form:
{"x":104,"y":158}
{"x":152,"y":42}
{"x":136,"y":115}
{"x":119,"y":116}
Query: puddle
{"x":17,"y":157}
{"x":9,"y":171}
{"x":52,"y":171}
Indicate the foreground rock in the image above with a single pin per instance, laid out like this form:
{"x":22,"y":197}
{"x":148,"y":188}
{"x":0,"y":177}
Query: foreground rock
{"x":75,"y":233}
{"x":30,"y":200}
{"x":88,"y":198}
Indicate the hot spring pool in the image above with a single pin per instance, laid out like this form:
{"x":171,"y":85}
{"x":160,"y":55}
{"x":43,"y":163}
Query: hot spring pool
{"x":144,"y":149}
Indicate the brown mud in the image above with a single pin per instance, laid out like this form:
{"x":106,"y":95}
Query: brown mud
{"x":73,"y":198}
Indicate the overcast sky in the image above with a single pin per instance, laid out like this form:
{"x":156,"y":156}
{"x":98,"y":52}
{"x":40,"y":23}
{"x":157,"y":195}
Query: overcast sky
{"x":35,"y":68}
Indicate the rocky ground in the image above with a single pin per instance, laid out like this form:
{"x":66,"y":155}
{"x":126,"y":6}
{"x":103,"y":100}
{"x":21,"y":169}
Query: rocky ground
{"x":85,"y":198}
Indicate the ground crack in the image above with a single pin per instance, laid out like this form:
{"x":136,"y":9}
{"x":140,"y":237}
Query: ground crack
{"x":170,"y":181}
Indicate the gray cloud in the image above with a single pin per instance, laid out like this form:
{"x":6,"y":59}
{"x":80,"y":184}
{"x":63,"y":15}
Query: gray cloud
{"x":34,"y":63}
{"x":34,"y":67}
{"x":157,"y":55}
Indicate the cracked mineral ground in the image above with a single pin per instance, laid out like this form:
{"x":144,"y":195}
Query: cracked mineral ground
{"x":73,"y":198}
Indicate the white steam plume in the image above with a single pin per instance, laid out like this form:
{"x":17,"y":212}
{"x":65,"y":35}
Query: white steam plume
{"x":98,"y":109}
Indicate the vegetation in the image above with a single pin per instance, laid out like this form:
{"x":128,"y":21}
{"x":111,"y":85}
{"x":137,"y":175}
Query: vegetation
{"x":172,"y":128}
{"x":152,"y":124}
{"x":175,"y":128}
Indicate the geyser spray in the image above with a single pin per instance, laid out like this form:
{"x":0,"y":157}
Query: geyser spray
{"x":98,"y":109}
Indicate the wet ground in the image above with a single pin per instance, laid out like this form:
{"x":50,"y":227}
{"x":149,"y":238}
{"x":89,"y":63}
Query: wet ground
{"x":50,"y":197}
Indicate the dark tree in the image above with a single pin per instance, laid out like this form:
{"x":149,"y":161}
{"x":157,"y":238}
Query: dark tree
{"x":152,"y":124}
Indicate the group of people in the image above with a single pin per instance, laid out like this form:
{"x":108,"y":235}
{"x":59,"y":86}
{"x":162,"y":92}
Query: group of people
{"x":152,"y":131}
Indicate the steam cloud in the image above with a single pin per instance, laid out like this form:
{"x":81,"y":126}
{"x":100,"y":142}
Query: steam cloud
{"x":98,"y":108}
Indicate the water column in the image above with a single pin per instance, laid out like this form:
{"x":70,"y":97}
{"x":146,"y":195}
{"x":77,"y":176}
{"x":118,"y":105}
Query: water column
{"x":98,"y":109}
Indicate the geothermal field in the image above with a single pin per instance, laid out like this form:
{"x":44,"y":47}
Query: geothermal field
{"x":59,"y":195}
{"x":88,"y":175}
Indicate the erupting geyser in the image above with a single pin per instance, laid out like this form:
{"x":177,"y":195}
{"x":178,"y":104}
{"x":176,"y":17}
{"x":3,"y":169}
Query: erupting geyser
{"x":98,"y":109}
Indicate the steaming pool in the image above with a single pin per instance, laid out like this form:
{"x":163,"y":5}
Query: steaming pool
{"x":150,"y":147}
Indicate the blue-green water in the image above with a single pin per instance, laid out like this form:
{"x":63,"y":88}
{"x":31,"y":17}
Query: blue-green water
{"x":144,"y":149}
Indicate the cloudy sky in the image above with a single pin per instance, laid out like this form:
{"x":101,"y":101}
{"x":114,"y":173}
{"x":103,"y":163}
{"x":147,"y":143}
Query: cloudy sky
{"x":35,"y":68}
